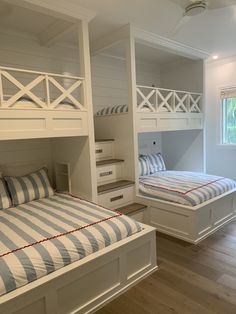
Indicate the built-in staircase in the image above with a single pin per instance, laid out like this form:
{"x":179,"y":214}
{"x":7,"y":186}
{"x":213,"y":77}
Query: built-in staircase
{"x":113,"y":191}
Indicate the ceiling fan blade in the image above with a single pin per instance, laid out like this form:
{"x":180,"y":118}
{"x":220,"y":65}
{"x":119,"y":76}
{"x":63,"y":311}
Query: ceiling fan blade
{"x":218,"y":4}
{"x":180,"y":24}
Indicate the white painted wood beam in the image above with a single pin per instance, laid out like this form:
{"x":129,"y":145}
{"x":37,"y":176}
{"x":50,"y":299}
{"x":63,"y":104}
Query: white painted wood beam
{"x":110,"y":40}
{"x":53,"y":33}
{"x":64,"y":9}
{"x":156,"y":41}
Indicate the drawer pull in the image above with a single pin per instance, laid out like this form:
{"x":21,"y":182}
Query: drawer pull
{"x":107,"y":173}
{"x":98,"y":151}
{"x":116,"y":198}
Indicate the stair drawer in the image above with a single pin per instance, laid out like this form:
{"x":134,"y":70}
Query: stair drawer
{"x":117,"y":198}
{"x":109,"y":173}
{"x":104,"y":150}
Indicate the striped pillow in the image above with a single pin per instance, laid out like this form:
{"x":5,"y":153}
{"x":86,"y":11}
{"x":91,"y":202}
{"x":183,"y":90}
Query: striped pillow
{"x":144,"y":167}
{"x":116,"y":109}
{"x":30,"y":187}
{"x":156,"y":163}
{"x":5,"y":201}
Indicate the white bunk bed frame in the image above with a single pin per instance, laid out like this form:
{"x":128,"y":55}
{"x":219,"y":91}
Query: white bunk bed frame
{"x":87,"y":285}
{"x":42,"y":117}
{"x":79,"y":287}
{"x":191,"y":224}
{"x":161,"y":109}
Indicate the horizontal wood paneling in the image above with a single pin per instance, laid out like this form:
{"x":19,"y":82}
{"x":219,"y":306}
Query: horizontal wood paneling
{"x":110,"y":80}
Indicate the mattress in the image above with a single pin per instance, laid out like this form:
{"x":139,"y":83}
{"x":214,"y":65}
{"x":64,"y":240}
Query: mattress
{"x":183,"y":187}
{"x":41,"y":236}
{"x":28,"y":103}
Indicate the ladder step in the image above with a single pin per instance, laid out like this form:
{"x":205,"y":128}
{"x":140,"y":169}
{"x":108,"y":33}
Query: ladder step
{"x":108,"y":162}
{"x":129,"y":209}
{"x":105,"y":188}
{"x":104,"y":140}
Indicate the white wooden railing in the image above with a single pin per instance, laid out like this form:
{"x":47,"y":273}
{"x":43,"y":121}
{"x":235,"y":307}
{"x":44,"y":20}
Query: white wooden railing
{"x":155,"y":99}
{"x":11,"y":79}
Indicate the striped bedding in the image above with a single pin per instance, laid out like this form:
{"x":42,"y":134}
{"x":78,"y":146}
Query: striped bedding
{"x":44,"y":235}
{"x":115,"y":109}
{"x":183,"y":187}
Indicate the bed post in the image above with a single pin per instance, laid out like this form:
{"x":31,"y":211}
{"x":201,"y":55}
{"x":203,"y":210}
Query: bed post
{"x":131,"y":72}
{"x":85,"y":71}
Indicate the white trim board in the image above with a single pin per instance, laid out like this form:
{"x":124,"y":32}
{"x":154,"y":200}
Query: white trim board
{"x":148,"y":39}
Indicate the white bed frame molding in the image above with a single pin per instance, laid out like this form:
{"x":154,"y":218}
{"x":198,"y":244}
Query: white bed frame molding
{"x":191,"y":224}
{"x":87,"y":285}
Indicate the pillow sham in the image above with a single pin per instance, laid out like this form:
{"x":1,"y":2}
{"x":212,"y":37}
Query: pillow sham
{"x":5,"y":201}
{"x":144,"y":167}
{"x":156,"y":163}
{"x":30,"y":187}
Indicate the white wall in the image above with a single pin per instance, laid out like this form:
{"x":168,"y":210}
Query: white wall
{"x":184,"y":75}
{"x":150,"y":143}
{"x":220,"y":160}
{"x":183,"y":150}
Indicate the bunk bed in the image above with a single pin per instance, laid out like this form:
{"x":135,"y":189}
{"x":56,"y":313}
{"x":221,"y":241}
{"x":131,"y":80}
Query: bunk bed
{"x":43,"y":107}
{"x":160,"y":109}
{"x":49,"y":105}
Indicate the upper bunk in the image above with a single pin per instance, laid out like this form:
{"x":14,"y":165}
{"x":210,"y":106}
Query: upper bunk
{"x":45,"y":88}
{"x":165,"y":82}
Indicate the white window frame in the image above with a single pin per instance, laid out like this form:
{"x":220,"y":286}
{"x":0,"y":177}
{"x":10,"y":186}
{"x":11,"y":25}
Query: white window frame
{"x":220,"y":119}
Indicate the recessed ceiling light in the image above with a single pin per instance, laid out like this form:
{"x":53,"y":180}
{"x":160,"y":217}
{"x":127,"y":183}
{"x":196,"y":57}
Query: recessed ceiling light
{"x":215,"y":57}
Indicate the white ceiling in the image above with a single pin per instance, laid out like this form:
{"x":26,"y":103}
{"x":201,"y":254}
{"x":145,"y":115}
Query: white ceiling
{"x":213,"y":31}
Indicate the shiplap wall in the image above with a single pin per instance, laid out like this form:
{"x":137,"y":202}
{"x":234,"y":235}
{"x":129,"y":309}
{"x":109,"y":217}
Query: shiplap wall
{"x":25,"y":154}
{"x":110,"y":81}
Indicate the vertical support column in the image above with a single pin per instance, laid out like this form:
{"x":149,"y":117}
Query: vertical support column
{"x":85,"y":71}
{"x":131,"y":72}
{"x":1,"y":91}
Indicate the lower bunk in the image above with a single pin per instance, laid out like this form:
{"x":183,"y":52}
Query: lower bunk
{"x":61,"y":254}
{"x":186,"y":205}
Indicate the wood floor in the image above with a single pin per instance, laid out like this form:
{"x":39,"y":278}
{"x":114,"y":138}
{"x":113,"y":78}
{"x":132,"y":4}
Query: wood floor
{"x":191,"y":279}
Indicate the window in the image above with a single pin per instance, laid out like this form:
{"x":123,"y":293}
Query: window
{"x":228,"y":97}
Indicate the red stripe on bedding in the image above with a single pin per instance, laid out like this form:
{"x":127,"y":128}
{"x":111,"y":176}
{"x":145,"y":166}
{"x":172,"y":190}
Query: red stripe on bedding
{"x":183,"y":193}
{"x":59,"y":235}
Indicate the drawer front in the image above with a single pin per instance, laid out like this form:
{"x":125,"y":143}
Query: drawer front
{"x":104,"y":150}
{"x":109,"y":173}
{"x":117,"y":198}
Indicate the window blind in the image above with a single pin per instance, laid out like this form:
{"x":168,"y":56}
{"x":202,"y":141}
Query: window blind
{"x":228,"y":93}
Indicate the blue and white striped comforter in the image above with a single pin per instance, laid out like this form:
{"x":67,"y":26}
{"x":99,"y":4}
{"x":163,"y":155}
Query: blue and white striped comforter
{"x":42,"y":236}
{"x":183,"y":187}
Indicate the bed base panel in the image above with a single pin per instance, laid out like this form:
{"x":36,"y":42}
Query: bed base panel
{"x":169,"y":121}
{"x":87,"y":285}
{"x":21,"y":124}
{"x":191,"y":224}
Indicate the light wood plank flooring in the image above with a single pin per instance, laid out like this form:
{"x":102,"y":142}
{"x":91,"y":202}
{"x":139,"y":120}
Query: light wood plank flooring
{"x":191,"y":279}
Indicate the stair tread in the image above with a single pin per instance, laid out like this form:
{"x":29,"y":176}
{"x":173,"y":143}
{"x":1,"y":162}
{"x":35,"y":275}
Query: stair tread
{"x":131,"y":208}
{"x":114,"y":186}
{"x":108,"y":161}
{"x":104,"y":140}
